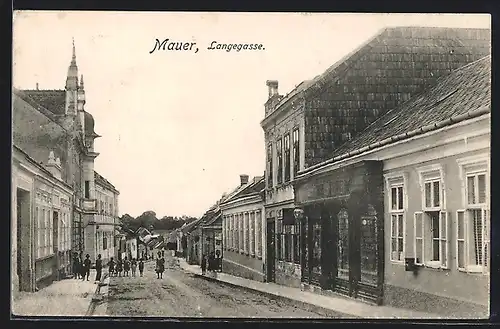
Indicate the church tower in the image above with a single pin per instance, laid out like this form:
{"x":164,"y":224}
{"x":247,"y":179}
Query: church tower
{"x":72,"y":86}
{"x":75,"y":95}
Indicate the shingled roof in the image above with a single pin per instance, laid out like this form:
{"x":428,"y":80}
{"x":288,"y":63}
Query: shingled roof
{"x":255,"y":186}
{"x":464,"y":90}
{"x":401,"y":42}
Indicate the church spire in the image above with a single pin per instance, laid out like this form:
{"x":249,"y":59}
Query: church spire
{"x":72,"y":79}
{"x":73,"y":57}
{"x":81,"y":81}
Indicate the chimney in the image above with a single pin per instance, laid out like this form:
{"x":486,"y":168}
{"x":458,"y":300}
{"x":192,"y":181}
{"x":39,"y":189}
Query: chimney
{"x":272,"y":86}
{"x":244,"y":179}
{"x":54,"y":166}
{"x":37,"y":86}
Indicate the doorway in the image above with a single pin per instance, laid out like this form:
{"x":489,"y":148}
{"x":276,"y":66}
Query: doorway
{"x":271,"y":271}
{"x":24,"y":240}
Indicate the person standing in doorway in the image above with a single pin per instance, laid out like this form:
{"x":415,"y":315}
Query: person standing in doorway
{"x":133,"y":265}
{"x":141,"y":266}
{"x":98,"y":268}
{"x":86,"y":267}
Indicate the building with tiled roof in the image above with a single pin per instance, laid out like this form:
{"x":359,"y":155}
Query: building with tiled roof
{"x":306,"y":126}
{"x":242,"y":230}
{"x":411,"y":191}
{"x":53,"y":129}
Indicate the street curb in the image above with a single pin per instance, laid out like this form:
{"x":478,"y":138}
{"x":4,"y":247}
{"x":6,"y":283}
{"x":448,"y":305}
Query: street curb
{"x":308,"y":306}
{"x":95,"y":298}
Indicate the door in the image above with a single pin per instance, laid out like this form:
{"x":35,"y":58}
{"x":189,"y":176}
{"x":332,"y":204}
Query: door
{"x":55,"y":248}
{"x":271,"y":275}
{"x":23,"y":240}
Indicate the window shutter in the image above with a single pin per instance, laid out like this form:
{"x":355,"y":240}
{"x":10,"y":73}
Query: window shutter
{"x":444,"y":232}
{"x":461,"y":239}
{"x":418,"y":232}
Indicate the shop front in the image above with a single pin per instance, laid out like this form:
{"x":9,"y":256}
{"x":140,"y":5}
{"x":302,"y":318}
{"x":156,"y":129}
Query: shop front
{"x":341,"y":216}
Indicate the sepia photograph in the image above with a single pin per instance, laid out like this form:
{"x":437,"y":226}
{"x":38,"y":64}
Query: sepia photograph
{"x":231,"y":165}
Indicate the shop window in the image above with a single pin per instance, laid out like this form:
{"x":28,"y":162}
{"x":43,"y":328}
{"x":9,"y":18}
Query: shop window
{"x":473,"y":222}
{"x":343,"y":244}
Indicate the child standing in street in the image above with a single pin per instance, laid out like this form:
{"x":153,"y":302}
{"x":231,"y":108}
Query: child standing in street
{"x":119,"y":267}
{"x":111,"y":267}
{"x":133,"y":265}
{"x":141,"y":266}
{"x":126,"y":267}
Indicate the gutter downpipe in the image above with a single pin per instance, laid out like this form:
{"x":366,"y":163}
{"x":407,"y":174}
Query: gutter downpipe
{"x":393,"y":139}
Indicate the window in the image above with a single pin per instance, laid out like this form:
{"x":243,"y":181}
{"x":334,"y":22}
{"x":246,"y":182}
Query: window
{"x":241,"y":238}
{"x":431,"y":225}
{"x":258,"y":230}
{"x":473,"y":222}
{"x":279,"y":155}
{"x":87,"y":189}
{"x":270,"y":165}
{"x":397,"y":214}
{"x":279,"y":241}
{"x":296,"y":152}
{"x":44,"y":234}
{"x":431,"y":239}
{"x":246,"y":231}
{"x":252,"y":233}
{"x":105,"y":241}
{"x":397,"y":222}
{"x":287,"y":157}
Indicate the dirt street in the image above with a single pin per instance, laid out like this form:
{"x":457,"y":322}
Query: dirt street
{"x":181,"y":294}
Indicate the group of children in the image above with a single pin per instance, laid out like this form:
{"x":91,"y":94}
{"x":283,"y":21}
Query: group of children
{"x":116,"y":268}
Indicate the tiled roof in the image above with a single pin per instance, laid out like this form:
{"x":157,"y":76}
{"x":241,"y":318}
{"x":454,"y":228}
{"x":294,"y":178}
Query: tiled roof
{"x":255,"y":186}
{"x":103,"y":181}
{"x":37,"y":133}
{"x":52,"y":103}
{"x":52,"y":100}
{"x":465,"y":89}
{"x":397,"y":42}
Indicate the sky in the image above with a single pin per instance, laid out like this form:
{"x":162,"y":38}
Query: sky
{"x":179,"y":127}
